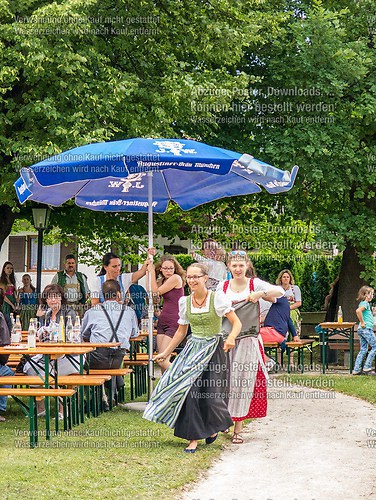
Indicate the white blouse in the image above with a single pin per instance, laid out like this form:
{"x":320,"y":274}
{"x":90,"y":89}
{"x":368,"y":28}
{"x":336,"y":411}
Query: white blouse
{"x":222,"y":306}
{"x":258,"y":285}
{"x":96,"y":285}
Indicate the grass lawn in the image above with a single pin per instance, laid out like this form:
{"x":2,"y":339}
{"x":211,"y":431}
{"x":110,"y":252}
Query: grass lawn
{"x":363,"y":387}
{"x":117,"y":455}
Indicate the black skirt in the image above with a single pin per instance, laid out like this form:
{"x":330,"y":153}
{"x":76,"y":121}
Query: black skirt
{"x":204,"y":411}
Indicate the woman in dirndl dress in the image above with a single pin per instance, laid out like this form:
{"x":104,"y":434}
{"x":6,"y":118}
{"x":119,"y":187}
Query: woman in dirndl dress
{"x":191,"y":396}
{"x":248,"y":375}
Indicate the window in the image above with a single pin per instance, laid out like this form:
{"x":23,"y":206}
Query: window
{"x":23,"y":253}
{"x":50,"y":256}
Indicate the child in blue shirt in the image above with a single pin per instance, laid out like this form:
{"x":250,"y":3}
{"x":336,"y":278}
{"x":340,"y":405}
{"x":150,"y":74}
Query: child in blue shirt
{"x":365,"y":332}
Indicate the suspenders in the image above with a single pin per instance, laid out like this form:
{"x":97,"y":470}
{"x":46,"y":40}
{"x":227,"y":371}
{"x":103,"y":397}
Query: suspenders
{"x":113,"y":328}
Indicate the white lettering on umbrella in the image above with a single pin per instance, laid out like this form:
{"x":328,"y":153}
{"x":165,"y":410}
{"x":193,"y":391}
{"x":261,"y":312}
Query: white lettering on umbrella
{"x":132,"y":181}
{"x":22,"y":188}
{"x":96,"y":203}
{"x":174,"y":147}
{"x":137,"y":203}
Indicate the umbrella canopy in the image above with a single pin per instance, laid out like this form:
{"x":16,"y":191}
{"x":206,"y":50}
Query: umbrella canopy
{"x":129,"y":192}
{"x":112,"y":177}
{"x":119,"y":158}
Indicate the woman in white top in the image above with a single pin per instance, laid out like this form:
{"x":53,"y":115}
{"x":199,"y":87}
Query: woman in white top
{"x":248,"y":374}
{"x":111,"y":267}
{"x":191,"y":396}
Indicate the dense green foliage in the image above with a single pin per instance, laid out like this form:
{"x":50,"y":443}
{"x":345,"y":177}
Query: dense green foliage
{"x":290,"y":82}
{"x":313,"y":276}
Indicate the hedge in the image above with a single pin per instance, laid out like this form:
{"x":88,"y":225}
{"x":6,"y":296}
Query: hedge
{"x":312,"y":273}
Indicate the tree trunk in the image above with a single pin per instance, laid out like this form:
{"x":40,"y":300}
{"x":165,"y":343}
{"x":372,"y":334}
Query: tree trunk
{"x":7,"y":217}
{"x":349,"y":283}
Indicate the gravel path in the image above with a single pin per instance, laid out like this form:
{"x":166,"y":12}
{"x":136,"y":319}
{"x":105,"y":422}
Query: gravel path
{"x":313,"y":445}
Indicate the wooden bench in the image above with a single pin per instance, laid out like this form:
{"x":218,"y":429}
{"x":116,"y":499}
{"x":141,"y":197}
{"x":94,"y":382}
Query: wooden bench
{"x":93,"y":384}
{"x":94,"y":395}
{"x":114,"y":372}
{"x":299,"y":346}
{"x":31,"y":410}
{"x":139,"y":376}
{"x":272,"y":349}
{"x":13,"y":360}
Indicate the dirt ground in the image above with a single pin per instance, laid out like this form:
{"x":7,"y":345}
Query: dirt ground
{"x":313,"y":445}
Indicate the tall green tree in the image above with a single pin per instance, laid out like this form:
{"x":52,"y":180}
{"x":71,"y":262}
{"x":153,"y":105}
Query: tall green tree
{"x":80,"y":71}
{"x":314,"y":104}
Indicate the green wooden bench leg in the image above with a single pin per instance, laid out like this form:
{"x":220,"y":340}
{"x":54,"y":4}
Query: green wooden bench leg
{"x":88,"y":402}
{"x":81,"y":404}
{"x":302,"y":359}
{"x":131,"y":384}
{"x":32,"y":418}
{"x":98,"y":397}
{"x":323,"y":350}
{"x":65,"y":414}
{"x":73,"y":409}
{"x":111,"y":391}
{"x":121,"y":395}
{"x":47,"y":407}
{"x":57,"y":415}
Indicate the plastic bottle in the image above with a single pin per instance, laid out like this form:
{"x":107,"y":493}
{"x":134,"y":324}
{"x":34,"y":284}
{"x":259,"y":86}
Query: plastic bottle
{"x":31,"y":336}
{"x":340,"y":315}
{"x":77,"y":330}
{"x":54,"y":332}
{"x":61,"y":329}
{"x":18,"y":330}
{"x":69,"y":330}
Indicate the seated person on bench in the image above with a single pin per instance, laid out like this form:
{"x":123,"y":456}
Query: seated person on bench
{"x":277,"y":324}
{"x":111,"y":321}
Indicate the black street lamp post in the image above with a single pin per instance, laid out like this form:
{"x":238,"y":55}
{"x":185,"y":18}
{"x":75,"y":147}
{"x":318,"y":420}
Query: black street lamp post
{"x":40,"y":216}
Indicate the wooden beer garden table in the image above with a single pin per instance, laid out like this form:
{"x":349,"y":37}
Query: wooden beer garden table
{"x":50,"y":352}
{"x":336,"y":332}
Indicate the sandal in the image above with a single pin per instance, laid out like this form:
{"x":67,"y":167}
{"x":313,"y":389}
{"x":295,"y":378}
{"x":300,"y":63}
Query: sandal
{"x":237,"y":439}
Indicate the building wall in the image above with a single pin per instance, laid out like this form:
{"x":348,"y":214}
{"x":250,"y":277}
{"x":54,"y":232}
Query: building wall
{"x":90,"y":271}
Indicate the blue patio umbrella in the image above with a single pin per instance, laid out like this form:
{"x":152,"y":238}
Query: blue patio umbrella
{"x":143,"y":175}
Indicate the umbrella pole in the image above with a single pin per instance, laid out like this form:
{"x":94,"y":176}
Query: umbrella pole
{"x":151,"y":306}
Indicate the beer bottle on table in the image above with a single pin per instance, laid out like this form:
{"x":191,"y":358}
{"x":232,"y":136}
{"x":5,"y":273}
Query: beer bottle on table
{"x":61,"y":329}
{"x":340,"y":315}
